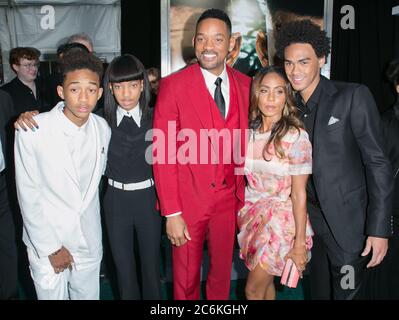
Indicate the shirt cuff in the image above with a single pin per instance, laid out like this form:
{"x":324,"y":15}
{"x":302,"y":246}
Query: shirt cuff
{"x":173,"y":214}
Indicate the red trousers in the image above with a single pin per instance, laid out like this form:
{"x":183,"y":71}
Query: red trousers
{"x":217,"y":227}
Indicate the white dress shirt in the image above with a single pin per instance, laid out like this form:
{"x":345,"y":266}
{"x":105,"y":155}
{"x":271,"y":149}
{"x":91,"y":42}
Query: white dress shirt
{"x":210,"y":79}
{"x":81,"y":146}
{"x":134,"y":113}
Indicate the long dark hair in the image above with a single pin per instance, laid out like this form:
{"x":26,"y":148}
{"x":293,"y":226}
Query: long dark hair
{"x":288,"y":121}
{"x":125,"y":68}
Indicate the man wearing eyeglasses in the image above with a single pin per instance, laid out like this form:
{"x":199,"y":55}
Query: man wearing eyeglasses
{"x":25,"y":89}
{"x":26,"y":94}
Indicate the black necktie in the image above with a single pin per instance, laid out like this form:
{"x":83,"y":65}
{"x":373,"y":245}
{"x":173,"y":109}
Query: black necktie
{"x":219,"y":100}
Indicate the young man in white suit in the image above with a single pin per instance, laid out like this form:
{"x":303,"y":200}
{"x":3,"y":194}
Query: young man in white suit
{"x":58,"y":170}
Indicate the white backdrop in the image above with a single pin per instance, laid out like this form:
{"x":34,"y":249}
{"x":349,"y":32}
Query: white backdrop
{"x":46,"y":24}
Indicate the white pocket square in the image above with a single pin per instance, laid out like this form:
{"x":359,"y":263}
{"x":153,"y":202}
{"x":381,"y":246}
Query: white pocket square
{"x":332,"y":121}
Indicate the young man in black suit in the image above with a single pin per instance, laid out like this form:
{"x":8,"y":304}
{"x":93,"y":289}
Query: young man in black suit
{"x":350,"y":191}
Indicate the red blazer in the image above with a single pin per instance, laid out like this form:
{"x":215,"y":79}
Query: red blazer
{"x":184,"y":98}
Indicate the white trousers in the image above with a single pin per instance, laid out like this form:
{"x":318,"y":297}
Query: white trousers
{"x":80,"y":283}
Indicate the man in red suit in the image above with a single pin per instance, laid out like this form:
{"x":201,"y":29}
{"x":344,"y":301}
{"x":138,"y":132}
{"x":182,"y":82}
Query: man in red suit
{"x":199,"y":109}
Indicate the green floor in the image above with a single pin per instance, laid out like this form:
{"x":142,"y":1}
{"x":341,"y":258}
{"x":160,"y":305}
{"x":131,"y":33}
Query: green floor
{"x":236,"y":291}
{"x":108,"y":289}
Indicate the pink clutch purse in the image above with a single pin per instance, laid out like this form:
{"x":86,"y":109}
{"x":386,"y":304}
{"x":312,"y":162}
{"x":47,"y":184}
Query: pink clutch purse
{"x":290,"y":274}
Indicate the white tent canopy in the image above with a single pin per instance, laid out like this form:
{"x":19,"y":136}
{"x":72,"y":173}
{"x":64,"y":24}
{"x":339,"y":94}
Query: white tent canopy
{"x":46,"y":24}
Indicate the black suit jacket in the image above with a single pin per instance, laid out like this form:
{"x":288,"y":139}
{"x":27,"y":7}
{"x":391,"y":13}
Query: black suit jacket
{"x":7,"y":112}
{"x":351,"y":171}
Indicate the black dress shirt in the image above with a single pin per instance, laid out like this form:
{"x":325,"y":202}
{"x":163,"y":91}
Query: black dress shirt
{"x":23,"y":97}
{"x":307,"y":113}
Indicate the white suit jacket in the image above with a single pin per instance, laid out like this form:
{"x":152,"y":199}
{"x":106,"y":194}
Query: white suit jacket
{"x":54,"y":211}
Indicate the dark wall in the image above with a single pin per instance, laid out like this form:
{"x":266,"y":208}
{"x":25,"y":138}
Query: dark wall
{"x":140,"y":30}
{"x":362,"y":54}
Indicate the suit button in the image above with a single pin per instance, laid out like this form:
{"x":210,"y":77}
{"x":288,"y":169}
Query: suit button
{"x":213,"y":185}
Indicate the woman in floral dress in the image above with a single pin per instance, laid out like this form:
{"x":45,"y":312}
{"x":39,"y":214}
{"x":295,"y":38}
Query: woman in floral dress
{"x":273,"y":222}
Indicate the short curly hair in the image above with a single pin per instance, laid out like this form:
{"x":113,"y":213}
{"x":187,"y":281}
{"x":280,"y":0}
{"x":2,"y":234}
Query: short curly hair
{"x":77,"y":59}
{"x":302,"y":31}
{"x":27,"y":53}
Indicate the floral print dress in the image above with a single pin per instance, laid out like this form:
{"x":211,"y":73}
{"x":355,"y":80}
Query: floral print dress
{"x":266,"y":222}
